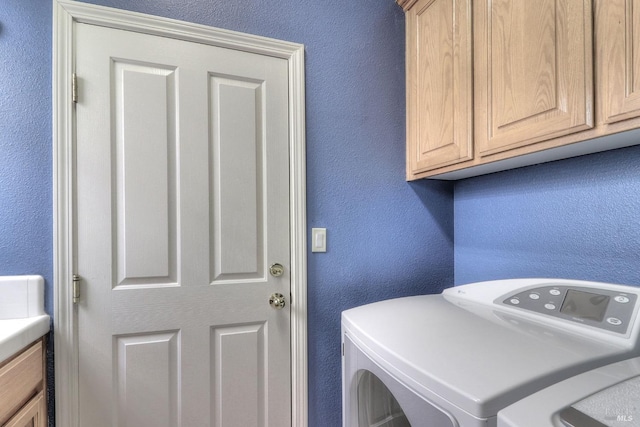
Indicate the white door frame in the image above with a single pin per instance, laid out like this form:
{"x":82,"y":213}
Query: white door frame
{"x":65,"y":13}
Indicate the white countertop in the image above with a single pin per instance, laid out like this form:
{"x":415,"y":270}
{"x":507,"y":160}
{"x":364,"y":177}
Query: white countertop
{"x":16,"y":334}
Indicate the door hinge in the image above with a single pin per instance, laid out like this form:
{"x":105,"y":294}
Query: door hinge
{"x":75,"y":288}
{"x":74,"y":88}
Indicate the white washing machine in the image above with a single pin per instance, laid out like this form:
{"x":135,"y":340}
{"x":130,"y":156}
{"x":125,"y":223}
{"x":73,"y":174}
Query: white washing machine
{"x":608,"y":396}
{"x":457,"y":358}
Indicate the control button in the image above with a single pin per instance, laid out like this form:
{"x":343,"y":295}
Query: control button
{"x":514,"y":301}
{"x":621,"y":299}
{"x":550,"y":306}
{"x":534,"y":296}
{"x":614,"y":321}
{"x":555,"y":292}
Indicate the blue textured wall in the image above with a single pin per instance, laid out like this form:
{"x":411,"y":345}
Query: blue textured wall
{"x":386,"y":238}
{"x":26,"y":225}
{"x":577,"y":218}
{"x":25,"y":140}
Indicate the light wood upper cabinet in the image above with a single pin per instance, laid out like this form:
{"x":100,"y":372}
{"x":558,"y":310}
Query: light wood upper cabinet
{"x":618,"y":65}
{"x":498,"y":84}
{"x":440,"y":84}
{"x":533,"y":71}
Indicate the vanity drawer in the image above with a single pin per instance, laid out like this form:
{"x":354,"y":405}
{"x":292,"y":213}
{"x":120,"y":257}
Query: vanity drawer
{"x":20,"y":379}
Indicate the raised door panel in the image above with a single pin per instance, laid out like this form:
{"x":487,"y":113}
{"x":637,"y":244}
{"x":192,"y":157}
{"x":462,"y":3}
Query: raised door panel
{"x":618,"y":59}
{"x":439,"y":83}
{"x":533,"y":72}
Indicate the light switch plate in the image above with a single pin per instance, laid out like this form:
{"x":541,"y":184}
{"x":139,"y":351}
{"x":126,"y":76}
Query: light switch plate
{"x":318,"y":240}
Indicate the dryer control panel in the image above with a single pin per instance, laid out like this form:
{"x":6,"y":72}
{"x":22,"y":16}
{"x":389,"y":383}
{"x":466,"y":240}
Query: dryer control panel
{"x":606,"y":312}
{"x":607,"y":309}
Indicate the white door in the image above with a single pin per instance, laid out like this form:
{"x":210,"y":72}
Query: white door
{"x":182,"y":205}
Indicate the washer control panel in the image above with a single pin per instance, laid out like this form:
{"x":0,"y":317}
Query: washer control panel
{"x":601,"y":308}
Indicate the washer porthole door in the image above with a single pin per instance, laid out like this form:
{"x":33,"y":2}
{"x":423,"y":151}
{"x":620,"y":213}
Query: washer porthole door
{"x":376,"y":404}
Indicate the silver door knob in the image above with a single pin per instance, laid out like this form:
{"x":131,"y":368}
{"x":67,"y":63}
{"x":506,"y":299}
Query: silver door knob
{"x":276,"y":270}
{"x":277,"y":301}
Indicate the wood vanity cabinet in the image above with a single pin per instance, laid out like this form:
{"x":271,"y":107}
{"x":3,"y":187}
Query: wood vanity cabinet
{"x":548,"y":77}
{"x":22,"y":389}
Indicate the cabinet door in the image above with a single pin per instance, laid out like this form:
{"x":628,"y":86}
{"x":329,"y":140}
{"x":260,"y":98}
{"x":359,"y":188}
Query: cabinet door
{"x":618,"y":59}
{"x":533,"y":71}
{"x":439,"y":84}
{"x":33,"y":414}
{"x":20,"y":379}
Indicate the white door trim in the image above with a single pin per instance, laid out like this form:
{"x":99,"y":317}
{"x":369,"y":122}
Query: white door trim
{"x":65,"y":13}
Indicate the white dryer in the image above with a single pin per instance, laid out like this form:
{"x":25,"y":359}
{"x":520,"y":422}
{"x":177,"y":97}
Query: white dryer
{"x":457,"y":358}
